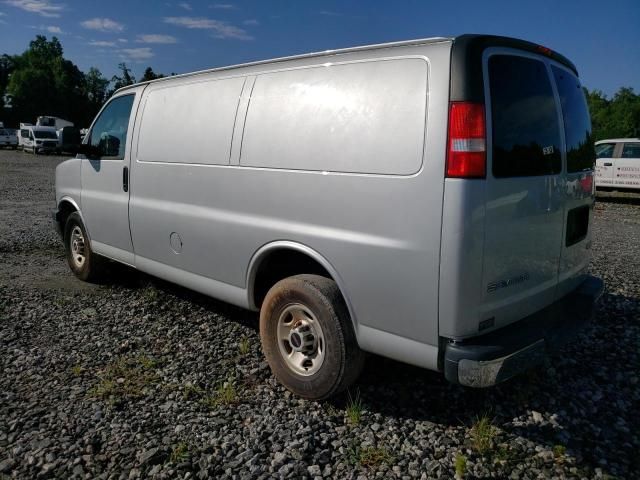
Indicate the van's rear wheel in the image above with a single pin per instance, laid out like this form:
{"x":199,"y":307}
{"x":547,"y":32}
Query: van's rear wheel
{"x":84,"y":264}
{"x":307,"y":337}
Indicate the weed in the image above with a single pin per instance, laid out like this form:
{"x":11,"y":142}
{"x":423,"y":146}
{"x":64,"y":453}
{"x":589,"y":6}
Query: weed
{"x":461,"y":465}
{"x":354,"y":409}
{"x":150,"y":294}
{"x":77,"y":370}
{"x":190,"y":392}
{"x":483,"y":433}
{"x":125,"y":378}
{"x":179,"y":453}
{"x":374,"y":456}
{"x":244,"y":346}
{"x":146,"y":362}
{"x":225,"y":394}
{"x":559,"y":452}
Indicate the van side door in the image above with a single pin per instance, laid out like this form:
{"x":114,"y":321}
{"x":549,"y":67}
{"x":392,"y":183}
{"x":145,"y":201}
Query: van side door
{"x":627,"y":166}
{"x":605,"y":154}
{"x":105,"y":179}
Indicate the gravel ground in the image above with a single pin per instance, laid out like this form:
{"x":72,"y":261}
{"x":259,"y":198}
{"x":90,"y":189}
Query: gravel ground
{"x":141,"y":378}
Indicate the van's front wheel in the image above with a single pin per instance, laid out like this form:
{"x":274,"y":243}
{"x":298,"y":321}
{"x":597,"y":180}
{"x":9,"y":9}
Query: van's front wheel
{"x":307,"y":337}
{"x":84,"y":264}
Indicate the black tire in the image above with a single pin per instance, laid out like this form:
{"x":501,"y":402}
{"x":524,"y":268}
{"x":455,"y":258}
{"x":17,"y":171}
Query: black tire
{"x":343,"y":359}
{"x":93,"y":268}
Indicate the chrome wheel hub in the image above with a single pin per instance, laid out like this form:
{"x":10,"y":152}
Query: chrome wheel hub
{"x":300,"y":340}
{"x":77,"y":247}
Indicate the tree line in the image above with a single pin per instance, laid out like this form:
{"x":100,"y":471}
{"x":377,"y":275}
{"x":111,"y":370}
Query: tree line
{"x":41,"y":81}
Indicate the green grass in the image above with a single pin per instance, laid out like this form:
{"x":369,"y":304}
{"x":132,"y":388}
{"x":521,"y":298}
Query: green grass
{"x":179,"y":453}
{"x":225,"y":394}
{"x":77,"y":370}
{"x":559,"y":451}
{"x":483,"y":434}
{"x":244,"y":346}
{"x":354,"y":409}
{"x":374,"y":456}
{"x":461,"y":465}
{"x":125,"y":378}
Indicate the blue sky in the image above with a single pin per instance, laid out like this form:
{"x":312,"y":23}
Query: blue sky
{"x":602,"y":38}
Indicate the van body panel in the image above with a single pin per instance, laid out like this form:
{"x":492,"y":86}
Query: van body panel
{"x":382,"y":103}
{"x":193,"y":108}
{"x":361,"y":223}
{"x":463,"y":224}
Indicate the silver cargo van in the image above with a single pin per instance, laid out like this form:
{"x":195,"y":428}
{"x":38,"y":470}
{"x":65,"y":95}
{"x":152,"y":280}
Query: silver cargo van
{"x":429,"y":201}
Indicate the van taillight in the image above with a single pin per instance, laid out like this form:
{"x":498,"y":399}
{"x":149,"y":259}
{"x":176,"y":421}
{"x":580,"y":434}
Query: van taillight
{"x":467,"y":155}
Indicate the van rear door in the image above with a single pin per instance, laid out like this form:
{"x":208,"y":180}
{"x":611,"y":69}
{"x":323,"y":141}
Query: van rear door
{"x":524,"y":187}
{"x":578,"y":188}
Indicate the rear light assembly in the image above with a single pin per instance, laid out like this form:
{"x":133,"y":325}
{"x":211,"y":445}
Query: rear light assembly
{"x":467,"y":144}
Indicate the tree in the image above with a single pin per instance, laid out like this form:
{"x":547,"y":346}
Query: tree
{"x":42,"y":81}
{"x":126,"y":79}
{"x":618,"y":117}
{"x":149,"y":74}
{"x":95,"y":92}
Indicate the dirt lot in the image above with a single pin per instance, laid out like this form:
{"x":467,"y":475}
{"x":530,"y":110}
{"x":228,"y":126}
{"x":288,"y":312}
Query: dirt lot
{"x":140,"y":378}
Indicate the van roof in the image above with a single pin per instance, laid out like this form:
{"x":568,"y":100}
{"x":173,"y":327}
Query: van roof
{"x":421,"y":41}
{"x":617,"y":140}
{"x":467,"y":47}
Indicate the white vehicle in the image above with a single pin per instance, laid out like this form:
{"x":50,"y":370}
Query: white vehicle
{"x":23,"y":134}
{"x":8,"y":138}
{"x":618,"y":163}
{"x":429,"y":201}
{"x":40,"y":139}
{"x":55,"y":122}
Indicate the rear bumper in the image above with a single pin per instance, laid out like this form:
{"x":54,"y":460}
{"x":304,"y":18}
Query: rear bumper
{"x":497,"y":356}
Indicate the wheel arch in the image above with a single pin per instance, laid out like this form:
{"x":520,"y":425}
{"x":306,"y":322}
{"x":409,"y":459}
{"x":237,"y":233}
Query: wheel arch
{"x":259,"y":262}
{"x":67,"y":206}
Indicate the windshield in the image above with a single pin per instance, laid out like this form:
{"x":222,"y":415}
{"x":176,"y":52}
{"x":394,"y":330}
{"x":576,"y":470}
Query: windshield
{"x":44,"y":134}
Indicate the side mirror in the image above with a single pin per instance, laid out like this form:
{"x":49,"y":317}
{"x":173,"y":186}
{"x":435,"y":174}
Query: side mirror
{"x":90,"y":151}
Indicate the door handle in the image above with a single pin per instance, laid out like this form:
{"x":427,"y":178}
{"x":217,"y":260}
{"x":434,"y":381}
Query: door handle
{"x":125,"y":179}
{"x":606,"y":164}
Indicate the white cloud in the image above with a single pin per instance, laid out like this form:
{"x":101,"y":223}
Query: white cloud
{"x":136,"y":54}
{"x":123,"y":40}
{"x":42,"y":7}
{"x":102,"y":43}
{"x":102,"y":25}
{"x":330,"y":13}
{"x":251,"y":21}
{"x":223,"y":6}
{"x":155,"y":38}
{"x":220,"y":29}
{"x":185,"y":5}
{"x":54,"y":29}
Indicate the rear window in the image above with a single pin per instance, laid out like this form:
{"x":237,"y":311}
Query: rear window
{"x":605,"y":150}
{"x":631,"y":150}
{"x":526,"y":131}
{"x":577,"y":124}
